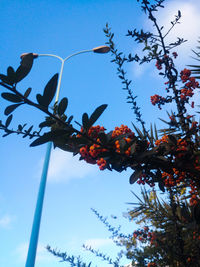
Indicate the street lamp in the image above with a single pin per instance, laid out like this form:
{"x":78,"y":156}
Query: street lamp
{"x":30,"y":261}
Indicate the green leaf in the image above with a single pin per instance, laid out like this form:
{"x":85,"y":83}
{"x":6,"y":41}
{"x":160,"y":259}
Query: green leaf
{"x":11,"y":108}
{"x":50,"y":90}
{"x":135,"y":176}
{"x":85,"y":121}
{"x":11,"y":97}
{"x":8,"y":121}
{"x":96,"y":114}
{"x":27,"y":93}
{"x":62,"y":106}
{"x":25,"y":67}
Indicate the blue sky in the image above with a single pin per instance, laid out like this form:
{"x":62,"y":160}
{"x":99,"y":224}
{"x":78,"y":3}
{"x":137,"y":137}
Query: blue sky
{"x":89,"y":80}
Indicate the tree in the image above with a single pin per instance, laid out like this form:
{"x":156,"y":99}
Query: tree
{"x":169,"y":158}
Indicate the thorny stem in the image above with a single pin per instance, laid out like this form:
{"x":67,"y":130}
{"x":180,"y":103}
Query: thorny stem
{"x":168,"y":69}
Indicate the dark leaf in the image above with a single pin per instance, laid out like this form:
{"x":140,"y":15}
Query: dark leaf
{"x":5,"y":79}
{"x":62,"y":106}
{"x":11,"y":97}
{"x":50,"y":136}
{"x":20,"y":127}
{"x":85,"y":121}
{"x":50,"y":90}
{"x":47,"y":123}
{"x":8,"y":132}
{"x":25,"y":67}
{"x":8,"y":121}
{"x":96,"y":114}
{"x":27,"y":93}
{"x":40,"y":100}
{"x":135,"y":176}
{"x":66,"y":147}
{"x":70,"y":119}
{"x":11,"y":75}
{"x":11,"y":108}
{"x":27,"y":132}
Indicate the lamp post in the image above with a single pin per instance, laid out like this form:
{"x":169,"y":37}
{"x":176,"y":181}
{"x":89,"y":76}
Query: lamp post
{"x":30,"y":261}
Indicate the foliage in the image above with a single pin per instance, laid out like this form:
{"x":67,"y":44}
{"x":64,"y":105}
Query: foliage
{"x":168,"y":158}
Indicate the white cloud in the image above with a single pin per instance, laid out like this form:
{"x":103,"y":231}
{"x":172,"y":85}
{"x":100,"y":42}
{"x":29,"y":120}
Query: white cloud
{"x":42,"y":254}
{"x":5,"y":221}
{"x":189,"y":28}
{"x":63,"y":167}
{"x":98,"y":242}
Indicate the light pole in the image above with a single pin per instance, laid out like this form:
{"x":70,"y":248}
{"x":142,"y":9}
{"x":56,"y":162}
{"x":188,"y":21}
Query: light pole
{"x":30,"y":261}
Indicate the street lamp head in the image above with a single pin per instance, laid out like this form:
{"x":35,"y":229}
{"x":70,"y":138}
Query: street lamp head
{"x":25,"y":54}
{"x":101,"y":49}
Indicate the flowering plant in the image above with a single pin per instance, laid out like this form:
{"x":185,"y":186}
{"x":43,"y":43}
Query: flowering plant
{"x":170,"y":158}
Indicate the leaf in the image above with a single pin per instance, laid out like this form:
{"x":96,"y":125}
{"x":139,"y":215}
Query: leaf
{"x":11,"y":97}
{"x":11,"y":75}
{"x":25,"y":67}
{"x":70,"y":119}
{"x":11,"y":108}
{"x":46,"y":123}
{"x":50,"y":90}
{"x":156,"y":133}
{"x":62,"y":106}
{"x":27,"y":93}
{"x":46,"y":137}
{"x":85,"y":121}
{"x":138,"y":131}
{"x":8,"y":121}
{"x":134,"y":176}
{"x":5,"y":79}
{"x":96,"y":114}
{"x":40,"y":100}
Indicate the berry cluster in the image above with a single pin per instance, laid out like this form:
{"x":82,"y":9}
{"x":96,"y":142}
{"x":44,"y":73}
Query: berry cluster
{"x":190,"y":85}
{"x":145,"y":179}
{"x":143,"y":235}
{"x":158,"y":100}
{"x":90,"y":153}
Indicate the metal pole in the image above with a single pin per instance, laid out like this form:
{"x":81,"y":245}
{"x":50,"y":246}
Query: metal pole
{"x":30,"y":261}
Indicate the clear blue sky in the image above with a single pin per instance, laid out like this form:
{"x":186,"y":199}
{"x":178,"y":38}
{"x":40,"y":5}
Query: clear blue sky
{"x":62,"y":28}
